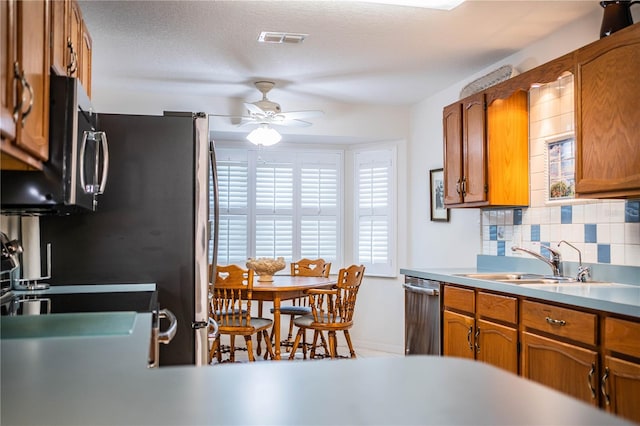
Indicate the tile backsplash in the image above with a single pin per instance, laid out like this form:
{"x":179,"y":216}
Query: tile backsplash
{"x":605,"y":231}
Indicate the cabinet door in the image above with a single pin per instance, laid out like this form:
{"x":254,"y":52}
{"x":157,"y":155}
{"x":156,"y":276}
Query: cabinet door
{"x":74,"y":34}
{"x":7,"y":80}
{"x":457,"y":336}
{"x":85,"y":59}
{"x":59,"y":27}
{"x":567,"y":368}
{"x":33,"y":59}
{"x":508,"y":150}
{"x":497,"y":345}
{"x":452,"y":125}
{"x":620,"y":387}
{"x":474,"y":149}
{"x":608,"y":151}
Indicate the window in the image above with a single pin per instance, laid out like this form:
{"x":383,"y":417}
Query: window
{"x":374,"y":211}
{"x":279,"y":204}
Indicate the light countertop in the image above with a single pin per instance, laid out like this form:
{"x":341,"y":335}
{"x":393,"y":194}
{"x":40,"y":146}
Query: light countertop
{"x":617,"y":298}
{"x":104,"y":380}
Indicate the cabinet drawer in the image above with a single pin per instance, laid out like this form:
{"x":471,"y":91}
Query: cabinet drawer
{"x":462,"y":299}
{"x":622,"y":336}
{"x":501,"y":308}
{"x":563,"y":322}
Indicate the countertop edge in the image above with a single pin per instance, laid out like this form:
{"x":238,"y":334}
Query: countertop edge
{"x":451,"y":276}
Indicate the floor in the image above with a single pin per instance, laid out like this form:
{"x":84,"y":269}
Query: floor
{"x":241,"y":355}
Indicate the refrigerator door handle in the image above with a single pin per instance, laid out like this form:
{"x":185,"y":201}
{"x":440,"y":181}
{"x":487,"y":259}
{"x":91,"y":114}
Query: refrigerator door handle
{"x":168,"y":335}
{"x":216,"y":207}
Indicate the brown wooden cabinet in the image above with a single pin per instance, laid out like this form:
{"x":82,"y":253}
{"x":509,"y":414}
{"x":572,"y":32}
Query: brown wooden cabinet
{"x":26,"y":76}
{"x":7,"y":53}
{"x":620,"y":382}
{"x":589,"y":355}
{"x":562,"y":366}
{"x":71,"y":42}
{"x":472,"y":327}
{"x":85,"y":59}
{"x":465,"y":151}
{"x":608,"y":117}
{"x":37,"y":36}
{"x":486,"y":153}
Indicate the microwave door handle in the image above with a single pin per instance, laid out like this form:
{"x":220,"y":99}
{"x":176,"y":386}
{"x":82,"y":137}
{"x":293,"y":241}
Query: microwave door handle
{"x":105,"y":162}
{"x":83,"y":147}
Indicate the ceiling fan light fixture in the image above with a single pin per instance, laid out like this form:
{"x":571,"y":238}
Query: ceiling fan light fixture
{"x":264,"y":135}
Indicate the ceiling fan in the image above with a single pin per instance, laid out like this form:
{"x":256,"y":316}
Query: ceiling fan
{"x":267,"y":112}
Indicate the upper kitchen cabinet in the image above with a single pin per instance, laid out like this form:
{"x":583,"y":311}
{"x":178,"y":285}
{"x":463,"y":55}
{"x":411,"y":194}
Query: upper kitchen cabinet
{"x":71,"y":42}
{"x":486,"y":155}
{"x":608,"y":116}
{"x":25,"y":83}
{"x":465,"y":151}
{"x":85,"y":59}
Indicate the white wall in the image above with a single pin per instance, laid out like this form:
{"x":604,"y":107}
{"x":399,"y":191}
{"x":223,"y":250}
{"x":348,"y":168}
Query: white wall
{"x":457,"y":243}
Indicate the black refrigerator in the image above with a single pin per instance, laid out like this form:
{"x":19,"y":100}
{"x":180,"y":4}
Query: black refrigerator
{"x":152,"y":224}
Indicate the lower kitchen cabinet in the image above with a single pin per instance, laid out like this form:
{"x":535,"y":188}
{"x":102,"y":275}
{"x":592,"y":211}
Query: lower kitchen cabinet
{"x":620,"y":382}
{"x":472,"y":332}
{"x":497,"y":345}
{"x":457,"y":335}
{"x":590,"y":355}
{"x":562,"y":366}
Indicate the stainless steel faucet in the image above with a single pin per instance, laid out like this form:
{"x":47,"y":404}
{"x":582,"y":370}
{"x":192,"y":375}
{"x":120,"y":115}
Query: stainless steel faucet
{"x":584,"y":272}
{"x":554,"y":262}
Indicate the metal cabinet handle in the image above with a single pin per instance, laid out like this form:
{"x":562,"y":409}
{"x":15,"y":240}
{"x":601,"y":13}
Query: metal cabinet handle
{"x":469,"y":334}
{"x":166,"y":336}
{"x":603,"y":386}
{"x":590,"y":380}
{"x":18,"y":106}
{"x":477,"y":340}
{"x":458,"y":187}
{"x":72,"y":66}
{"x":26,"y":85}
{"x":464,"y":186}
{"x":555,"y":321}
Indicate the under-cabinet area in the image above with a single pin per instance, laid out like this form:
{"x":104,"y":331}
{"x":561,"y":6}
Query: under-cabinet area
{"x":588,"y":354}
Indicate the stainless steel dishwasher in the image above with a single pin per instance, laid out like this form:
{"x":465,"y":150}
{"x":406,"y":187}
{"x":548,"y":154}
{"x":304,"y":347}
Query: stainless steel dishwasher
{"x":421,"y":316}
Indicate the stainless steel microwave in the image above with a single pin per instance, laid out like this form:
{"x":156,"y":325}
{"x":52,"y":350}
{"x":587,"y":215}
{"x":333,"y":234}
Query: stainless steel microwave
{"x":77,"y":169}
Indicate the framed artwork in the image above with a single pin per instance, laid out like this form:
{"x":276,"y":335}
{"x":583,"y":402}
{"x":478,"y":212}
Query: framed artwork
{"x":436,"y":184}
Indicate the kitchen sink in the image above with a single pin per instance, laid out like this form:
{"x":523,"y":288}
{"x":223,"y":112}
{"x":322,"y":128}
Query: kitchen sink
{"x":502,"y":276}
{"x":519,"y":278}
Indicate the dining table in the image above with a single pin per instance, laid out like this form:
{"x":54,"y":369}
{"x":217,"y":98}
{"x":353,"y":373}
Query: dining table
{"x":285,"y":287}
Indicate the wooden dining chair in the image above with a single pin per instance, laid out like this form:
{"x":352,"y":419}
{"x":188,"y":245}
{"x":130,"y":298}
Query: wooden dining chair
{"x":230,"y":307}
{"x":331,"y":311}
{"x":301,"y":268}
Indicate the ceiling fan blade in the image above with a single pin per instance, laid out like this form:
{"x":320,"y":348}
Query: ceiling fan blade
{"x":254,"y":109}
{"x":296,"y":115}
{"x":291,"y":123}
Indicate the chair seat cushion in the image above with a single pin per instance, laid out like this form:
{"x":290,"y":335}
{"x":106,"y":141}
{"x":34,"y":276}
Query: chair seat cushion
{"x":257,"y":323}
{"x":294,"y":310}
{"x":307,"y":320}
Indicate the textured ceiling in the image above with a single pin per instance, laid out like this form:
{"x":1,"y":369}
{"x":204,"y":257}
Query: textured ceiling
{"x":356,"y":52}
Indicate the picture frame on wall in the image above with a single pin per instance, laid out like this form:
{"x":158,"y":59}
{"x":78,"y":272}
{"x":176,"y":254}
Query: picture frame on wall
{"x":439,"y":213}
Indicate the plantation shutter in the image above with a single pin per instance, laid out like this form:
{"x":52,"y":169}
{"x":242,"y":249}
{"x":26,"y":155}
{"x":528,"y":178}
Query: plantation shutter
{"x":374,"y":174}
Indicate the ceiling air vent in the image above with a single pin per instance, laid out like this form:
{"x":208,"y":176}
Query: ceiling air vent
{"x":274,"y":37}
